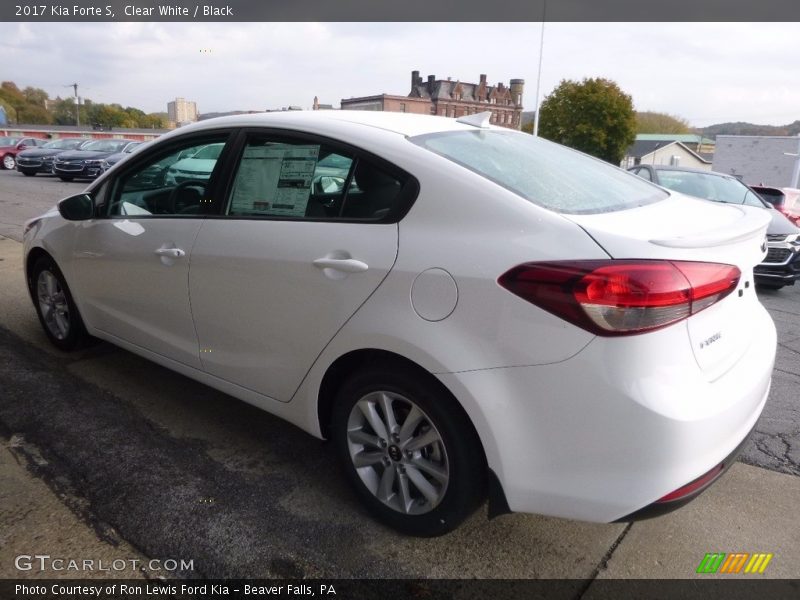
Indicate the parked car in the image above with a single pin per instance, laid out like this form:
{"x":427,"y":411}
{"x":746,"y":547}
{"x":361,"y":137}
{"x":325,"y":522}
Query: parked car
{"x":486,"y":314}
{"x":11,"y":146}
{"x":781,"y":265}
{"x":196,"y":167}
{"x":110,"y":161}
{"x":86,"y":162}
{"x":785,"y":200}
{"x":40,"y":159}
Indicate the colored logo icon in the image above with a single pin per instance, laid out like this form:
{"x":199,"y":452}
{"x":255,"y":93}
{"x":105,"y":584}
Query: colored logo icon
{"x":737,"y":562}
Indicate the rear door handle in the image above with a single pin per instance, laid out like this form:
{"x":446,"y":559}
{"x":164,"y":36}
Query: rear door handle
{"x":171,"y":252}
{"x":345,"y":265}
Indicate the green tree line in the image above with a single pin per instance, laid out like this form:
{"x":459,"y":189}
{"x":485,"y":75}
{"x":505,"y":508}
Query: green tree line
{"x":33,"y":106}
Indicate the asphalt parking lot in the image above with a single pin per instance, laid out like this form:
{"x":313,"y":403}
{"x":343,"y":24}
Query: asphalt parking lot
{"x":106,"y":454}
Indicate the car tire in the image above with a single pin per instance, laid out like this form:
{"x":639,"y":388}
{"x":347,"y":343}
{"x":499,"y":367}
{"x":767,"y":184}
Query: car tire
{"x":65,"y":178}
{"x":9,"y":162}
{"x":422,"y":477}
{"x":57,"y":312}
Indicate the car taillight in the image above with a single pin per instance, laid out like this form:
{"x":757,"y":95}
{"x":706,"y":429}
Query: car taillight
{"x":621,"y":297}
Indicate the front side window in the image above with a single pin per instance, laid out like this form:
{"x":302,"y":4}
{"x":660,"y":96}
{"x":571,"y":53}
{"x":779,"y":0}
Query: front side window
{"x":542,"y":172}
{"x":281,"y":178}
{"x":172,"y":182}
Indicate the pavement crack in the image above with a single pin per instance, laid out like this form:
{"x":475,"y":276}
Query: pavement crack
{"x":603,"y":564}
{"x":789,"y":348}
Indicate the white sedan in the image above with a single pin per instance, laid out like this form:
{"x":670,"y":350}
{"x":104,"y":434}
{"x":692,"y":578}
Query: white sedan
{"x":473,"y":312}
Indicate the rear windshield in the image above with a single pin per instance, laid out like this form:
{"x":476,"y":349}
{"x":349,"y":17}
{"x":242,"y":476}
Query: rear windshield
{"x":542,"y":172}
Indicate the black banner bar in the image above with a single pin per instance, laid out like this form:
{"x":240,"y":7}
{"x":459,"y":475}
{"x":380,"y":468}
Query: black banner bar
{"x":732,"y":588}
{"x":393,"y":10}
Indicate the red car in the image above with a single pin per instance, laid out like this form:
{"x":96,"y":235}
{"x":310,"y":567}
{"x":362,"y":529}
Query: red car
{"x":9,"y":146}
{"x":786,"y":200}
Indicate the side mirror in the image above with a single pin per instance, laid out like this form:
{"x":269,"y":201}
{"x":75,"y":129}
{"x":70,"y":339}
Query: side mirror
{"x":77,"y":208}
{"x":22,"y":146}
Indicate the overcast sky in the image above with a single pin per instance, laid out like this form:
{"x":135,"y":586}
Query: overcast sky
{"x":704,"y":72}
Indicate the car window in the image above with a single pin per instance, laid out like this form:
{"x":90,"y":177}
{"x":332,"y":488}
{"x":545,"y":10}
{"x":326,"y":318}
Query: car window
{"x":644,"y":174}
{"x":167,"y":184}
{"x":542,"y":172}
{"x":282,"y":178}
{"x":8,"y":141}
{"x":709,"y":186}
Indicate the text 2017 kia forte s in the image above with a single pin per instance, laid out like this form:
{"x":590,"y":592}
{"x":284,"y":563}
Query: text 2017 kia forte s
{"x":464,"y":310}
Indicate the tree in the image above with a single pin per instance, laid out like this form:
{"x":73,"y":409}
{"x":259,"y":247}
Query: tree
{"x":656,"y":122}
{"x":36,"y":96}
{"x":594,"y":116}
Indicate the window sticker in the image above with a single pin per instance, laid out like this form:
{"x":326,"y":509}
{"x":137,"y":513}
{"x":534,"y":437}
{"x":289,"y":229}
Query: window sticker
{"x":274,"y":180}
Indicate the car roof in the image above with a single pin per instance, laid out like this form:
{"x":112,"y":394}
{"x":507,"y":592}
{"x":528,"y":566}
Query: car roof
{"x":685,"y":169}
{"x":406,"y":124}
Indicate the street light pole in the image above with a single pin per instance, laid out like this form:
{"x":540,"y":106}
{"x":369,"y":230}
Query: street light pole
{"x":796,"y":173}
{"x":539,"y":74}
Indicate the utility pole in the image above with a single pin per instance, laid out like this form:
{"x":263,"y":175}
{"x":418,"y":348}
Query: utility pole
{"x":77,"y":105}
{"x":539,"y":74}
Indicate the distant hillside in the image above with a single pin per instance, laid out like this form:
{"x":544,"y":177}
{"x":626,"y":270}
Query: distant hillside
{"x":741,"y":128}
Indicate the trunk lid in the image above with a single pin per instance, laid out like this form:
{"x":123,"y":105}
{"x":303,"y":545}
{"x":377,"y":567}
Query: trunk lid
{"x":684,"y":228}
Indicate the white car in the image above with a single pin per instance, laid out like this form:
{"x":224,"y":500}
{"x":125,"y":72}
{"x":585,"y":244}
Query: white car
{"x":475,"y":311}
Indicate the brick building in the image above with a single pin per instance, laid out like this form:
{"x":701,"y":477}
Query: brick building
{"x":448,"y":98}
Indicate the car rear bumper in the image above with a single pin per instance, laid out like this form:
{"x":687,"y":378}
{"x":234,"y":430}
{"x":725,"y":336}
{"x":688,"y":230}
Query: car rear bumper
{"x":618,"y":426}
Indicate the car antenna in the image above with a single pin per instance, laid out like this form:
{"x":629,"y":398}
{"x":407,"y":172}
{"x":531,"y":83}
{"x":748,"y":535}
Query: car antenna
{"x":477,"y":120}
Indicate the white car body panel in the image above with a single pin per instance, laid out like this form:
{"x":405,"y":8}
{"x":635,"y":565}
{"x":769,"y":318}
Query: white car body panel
{"x":289,"y":309}
{"x":572,"y":424}
{"x":147,"y":303}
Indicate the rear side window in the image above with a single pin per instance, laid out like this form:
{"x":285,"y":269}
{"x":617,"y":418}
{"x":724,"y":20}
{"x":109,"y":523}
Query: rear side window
{"x":283,"y":178}
{"x":542,"y":172}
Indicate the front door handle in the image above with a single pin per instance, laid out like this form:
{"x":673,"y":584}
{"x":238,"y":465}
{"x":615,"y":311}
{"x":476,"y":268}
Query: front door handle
{"x":345,"y":265}
{"x":171,"y":252}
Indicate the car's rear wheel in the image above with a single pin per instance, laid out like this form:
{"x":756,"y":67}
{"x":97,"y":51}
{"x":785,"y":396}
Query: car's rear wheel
{"x":55,"y":307}
{"x":9,"y":162}
{"x":65,"y":178}
{"x":408,"y":449}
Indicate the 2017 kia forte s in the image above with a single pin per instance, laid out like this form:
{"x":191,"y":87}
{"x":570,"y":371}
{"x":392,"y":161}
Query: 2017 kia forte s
{"x":464,"y":310}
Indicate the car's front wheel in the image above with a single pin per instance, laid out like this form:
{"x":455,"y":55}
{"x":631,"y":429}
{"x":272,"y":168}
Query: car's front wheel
{"x":9,"y":162}
{"x":55,"y":307}
{"x":408,"y":449}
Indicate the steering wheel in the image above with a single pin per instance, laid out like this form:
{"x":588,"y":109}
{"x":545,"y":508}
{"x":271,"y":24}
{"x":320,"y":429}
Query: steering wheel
{"x":172,"y":200}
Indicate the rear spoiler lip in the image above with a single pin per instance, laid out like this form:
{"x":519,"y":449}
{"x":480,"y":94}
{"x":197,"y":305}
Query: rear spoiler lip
{"x":750,"y":226}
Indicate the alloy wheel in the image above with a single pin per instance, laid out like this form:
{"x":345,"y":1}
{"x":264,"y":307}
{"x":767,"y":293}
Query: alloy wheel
{"x":9,"y":162}
{"x":398,"y":452}
{"x":53,"y":304}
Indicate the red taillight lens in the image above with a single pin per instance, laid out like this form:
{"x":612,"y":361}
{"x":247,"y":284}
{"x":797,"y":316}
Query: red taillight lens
{"x":622,"y":297}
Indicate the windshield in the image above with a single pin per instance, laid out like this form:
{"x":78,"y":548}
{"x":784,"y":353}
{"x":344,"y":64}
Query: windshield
{"x":542,"y":172}
{"x":211,"y":152}
{"x":9,"y":141}
{"x":63,"y":144}
{"x":709,"y":186}
{"x":131,"y":148}
{"x":105,"y":146}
